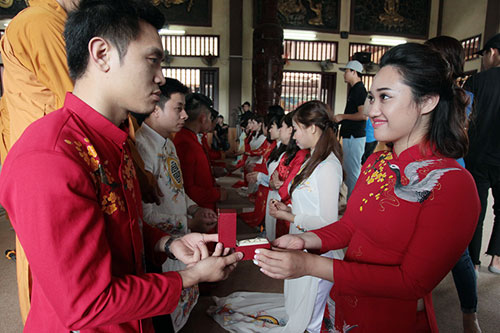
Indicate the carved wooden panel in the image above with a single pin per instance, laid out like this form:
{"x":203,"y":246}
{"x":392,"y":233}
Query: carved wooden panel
{"x":318,"y":15}
{"x":186,"y":12}
{"x":408,"y":18}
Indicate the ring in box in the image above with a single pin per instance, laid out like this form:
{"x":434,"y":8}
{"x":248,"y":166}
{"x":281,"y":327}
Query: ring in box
{"x":227,"y":236}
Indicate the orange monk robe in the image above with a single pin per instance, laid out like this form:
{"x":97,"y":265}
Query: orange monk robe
{"x":36,"y":75}
{"x":35,"y":82}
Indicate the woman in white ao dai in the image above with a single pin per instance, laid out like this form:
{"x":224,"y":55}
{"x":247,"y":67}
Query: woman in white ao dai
{"x":315,"y":196}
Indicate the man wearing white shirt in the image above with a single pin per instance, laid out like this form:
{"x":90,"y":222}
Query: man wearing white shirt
{"x":176,"y":214}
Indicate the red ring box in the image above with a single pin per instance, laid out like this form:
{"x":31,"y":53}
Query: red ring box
{"x":227,"y":235}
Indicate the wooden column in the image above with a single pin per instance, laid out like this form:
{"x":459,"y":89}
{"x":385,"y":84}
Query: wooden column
{"x":235,"y":67}
{"x":267,"y":65}
{"x":492,"y":21}
{"x":235,"y":52}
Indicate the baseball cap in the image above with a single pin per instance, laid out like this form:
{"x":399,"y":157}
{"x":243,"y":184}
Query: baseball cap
{"x":353,"y":65}
{"x":492,"y":43}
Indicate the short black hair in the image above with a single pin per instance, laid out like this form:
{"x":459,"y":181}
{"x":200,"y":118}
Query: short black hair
{"x":246,"y":103}
{"x":358,"y":74}
{"x":170,"y":87}
{"x":114,"y":20}
{"x":195,"y":103}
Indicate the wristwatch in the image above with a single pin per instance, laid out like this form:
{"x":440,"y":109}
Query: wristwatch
{"x":170,"y":255}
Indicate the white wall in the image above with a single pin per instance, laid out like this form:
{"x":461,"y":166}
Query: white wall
{"x":463,"y":19}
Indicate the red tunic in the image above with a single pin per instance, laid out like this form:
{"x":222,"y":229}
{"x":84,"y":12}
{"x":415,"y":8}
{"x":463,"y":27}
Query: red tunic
{"x":70,"y":189}
{"x":199,"y":182}
{"x":212,"y":154}
{"x":407,"y":222}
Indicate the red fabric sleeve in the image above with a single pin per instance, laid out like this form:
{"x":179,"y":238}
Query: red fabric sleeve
{"x":336,"y":235}
{"x":212,"y":154}
{"x":444,"y":229}
{"x":247,"y":143}
{"x":152,"y":236}
{"x":66,"y":241}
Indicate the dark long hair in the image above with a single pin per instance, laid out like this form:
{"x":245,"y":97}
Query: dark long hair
{"x":260,"y":120}
{"x":426,"y":73}
{"x":274,"y":111}
{"x":269,"y":122}
{"x":291,"y":148}
{"x":319,"y":114}
{"x":278,"y":150}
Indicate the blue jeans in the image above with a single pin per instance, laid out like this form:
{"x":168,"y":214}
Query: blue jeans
{"x":465,"y":279}
{"x":353,"y":149}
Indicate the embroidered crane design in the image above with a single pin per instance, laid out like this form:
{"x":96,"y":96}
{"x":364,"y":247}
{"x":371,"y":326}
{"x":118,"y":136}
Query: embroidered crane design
{"x":416,"y":190}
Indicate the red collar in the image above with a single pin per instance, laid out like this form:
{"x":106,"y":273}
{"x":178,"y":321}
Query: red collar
{"x":97,"y":121}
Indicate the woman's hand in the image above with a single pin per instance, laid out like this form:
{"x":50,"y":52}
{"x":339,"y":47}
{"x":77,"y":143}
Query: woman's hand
{"x":307,"y":240}
{"x":283,"y":264}
{"x":282,"y":215}
{"x":280,"y":211}
{"x":290,"y":242}
{"x":275,"y":182}
{"x":252,"y":177}
{"x":286,"y":264}
{"x":279,"y":205}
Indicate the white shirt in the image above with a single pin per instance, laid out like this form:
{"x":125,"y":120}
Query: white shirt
{"x":262,"y":178}
{"x":315,"y":200}
{"x":270,"y":221}
{"x":160,"y":158}
{"x":315,"y":205}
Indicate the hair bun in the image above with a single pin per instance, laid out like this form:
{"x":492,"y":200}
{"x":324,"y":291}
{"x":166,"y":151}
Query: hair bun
{"x":333,"y":125}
